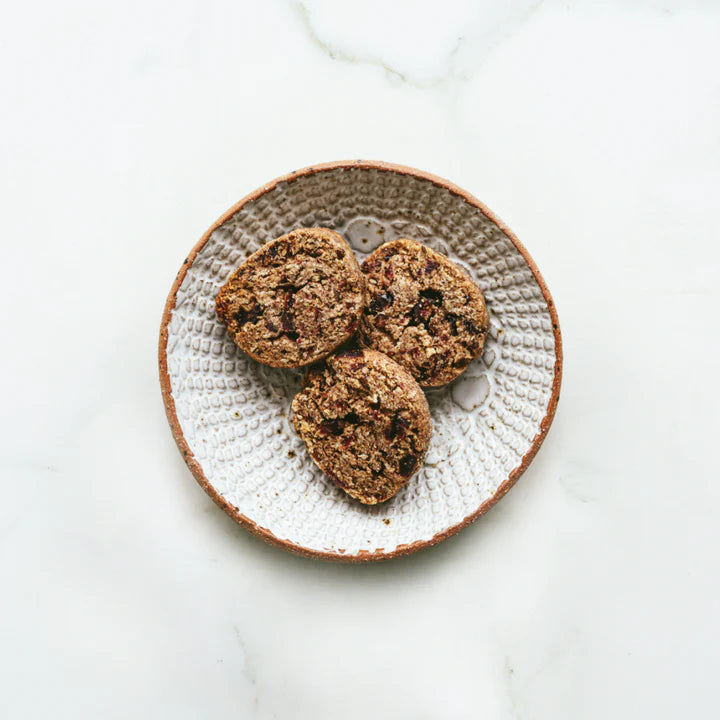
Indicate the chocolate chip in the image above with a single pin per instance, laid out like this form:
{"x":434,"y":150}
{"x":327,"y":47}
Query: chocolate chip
{"x":420,"y":312}
{"x":430,"y":265}
{"x":471,"y":328}
{"x":452,"y":319}
{"x":352,"y":417}
{"x":243,"y":316}
{"x":434,"y":297}
{"x":380,"y":302}
{"x":407,"y":465}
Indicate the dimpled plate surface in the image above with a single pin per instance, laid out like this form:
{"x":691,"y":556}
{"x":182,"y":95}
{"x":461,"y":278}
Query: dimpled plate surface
{"x":230,"y":415}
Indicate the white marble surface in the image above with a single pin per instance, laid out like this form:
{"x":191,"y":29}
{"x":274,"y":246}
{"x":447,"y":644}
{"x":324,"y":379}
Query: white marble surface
{"x":591,"y":590}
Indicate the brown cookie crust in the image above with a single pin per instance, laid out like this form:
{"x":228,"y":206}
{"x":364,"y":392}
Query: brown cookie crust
{"x":365,"y":422}
{"x":423,"y":311}
{"x":295,"y":300}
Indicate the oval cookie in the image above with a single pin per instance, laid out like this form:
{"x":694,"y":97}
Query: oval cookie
{"x":423,"y":311}
{"x":295,"y":300}
{"x":365,"y":422}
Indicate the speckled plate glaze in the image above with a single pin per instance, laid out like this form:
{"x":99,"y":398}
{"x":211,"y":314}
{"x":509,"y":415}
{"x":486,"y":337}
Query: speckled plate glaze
{"x":229,"y":414}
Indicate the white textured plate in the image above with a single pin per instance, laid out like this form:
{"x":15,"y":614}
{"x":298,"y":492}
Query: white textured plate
{"x":229,"y":414}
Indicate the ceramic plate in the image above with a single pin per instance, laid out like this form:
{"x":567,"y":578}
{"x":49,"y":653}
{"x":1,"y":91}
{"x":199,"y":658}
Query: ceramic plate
{"x":229,"y":414}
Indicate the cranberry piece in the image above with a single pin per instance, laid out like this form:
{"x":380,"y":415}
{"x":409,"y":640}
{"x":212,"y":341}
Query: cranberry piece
{"x":288,"y":322}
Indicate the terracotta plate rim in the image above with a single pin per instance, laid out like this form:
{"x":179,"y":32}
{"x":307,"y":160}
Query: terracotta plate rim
{"x":362,"y":555}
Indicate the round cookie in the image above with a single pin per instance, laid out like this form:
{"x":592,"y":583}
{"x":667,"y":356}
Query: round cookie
{"x":423,"y":311}
{"x":365,"y":422}
{"x":295,"y":300}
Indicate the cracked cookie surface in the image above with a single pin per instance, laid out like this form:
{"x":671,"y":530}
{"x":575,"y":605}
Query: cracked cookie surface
{"x":423,"y":311}
{"x":365,"y":422}
{"x":295,"y":300}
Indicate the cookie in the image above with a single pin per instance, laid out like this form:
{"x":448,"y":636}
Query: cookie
{"x":295,"y":300}
{"x":365,"y":422}
{"x":423,"y":311}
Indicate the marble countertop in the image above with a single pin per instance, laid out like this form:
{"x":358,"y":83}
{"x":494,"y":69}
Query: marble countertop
{"x":590,"y":591}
